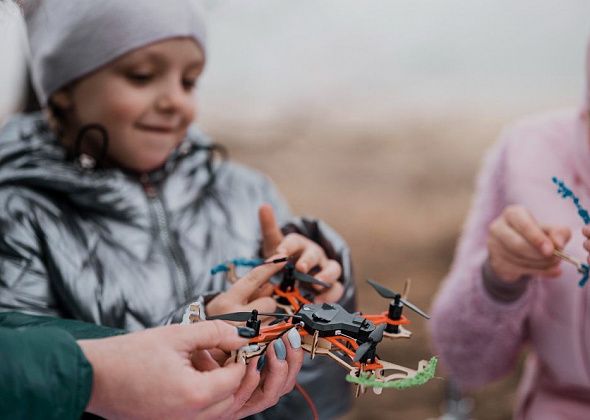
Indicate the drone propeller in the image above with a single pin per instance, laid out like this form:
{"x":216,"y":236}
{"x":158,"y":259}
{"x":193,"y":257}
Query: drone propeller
{"x":374,"y":338}
{"x":245,"y":316}
{"x":306,"y":278}
{"x":390,"y":294}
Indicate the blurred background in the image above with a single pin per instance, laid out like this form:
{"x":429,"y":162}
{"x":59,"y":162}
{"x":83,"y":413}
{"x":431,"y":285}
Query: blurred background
{"x":374,"y":116}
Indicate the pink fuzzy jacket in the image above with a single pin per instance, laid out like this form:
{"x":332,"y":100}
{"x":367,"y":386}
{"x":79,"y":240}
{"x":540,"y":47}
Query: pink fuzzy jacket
{"x":479,"y":337}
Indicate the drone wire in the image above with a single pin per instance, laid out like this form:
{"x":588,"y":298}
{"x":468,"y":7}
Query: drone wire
{"x":308,"y":400}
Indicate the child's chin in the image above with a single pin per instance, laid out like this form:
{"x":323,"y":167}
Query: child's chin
{"x":148,"y":165}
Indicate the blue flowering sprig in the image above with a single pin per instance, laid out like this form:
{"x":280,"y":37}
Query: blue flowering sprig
{"x":565,"y":192}
{"x":244,"y":262}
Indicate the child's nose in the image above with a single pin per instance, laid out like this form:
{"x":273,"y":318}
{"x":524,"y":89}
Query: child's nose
{"x":173,"y":99}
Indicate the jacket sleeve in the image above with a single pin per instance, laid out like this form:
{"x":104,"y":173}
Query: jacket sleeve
{"x":24,"y":278}
{"x":77,"y":329}
{"x":334,"y":400}
{"x":477,"y":336}
{"x":44,"y":374}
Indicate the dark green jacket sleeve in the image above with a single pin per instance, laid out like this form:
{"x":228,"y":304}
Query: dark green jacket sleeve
{"x":77,"y":329}
{"x":43,"y":372}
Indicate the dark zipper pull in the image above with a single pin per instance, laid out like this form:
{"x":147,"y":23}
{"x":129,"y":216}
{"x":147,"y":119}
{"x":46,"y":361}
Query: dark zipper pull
{"x":149,"y":188}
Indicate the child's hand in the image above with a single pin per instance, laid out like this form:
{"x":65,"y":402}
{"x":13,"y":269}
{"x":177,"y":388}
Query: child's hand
{"x":586,"y":233}
{"x":245,"y":294}
{"x":519,"y":246}
{"x":308,"y":254}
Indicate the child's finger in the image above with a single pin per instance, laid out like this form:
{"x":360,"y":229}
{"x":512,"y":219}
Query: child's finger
{"x":311,"y":256}
{"x":270,"y":230}
{"x":333,"y":294}
{"x":330,"y":272}
{"x":292,"y":244}
{"x":559,"y":235}
{"x":525,"y":225}
{"x":513,"y":242}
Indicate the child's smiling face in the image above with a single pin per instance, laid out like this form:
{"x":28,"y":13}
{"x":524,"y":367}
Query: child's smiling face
{"x":145,"y":100}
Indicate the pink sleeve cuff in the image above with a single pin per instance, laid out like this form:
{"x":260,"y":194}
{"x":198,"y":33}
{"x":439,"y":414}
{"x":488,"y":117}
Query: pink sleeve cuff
{"x":501,"y":290}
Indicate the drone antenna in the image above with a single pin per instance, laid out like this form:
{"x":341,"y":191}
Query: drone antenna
{"x":406,"y":291}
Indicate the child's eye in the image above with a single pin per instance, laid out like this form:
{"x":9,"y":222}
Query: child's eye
{"x":140,"y":78}
{"x":189,"y":84}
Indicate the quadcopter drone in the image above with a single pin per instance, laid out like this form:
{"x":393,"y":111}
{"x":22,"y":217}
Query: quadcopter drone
{"x":328,"y":329}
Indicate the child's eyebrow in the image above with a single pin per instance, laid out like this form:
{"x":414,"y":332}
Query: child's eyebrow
{"x":197,"y":64}
{"x":162,"y":60}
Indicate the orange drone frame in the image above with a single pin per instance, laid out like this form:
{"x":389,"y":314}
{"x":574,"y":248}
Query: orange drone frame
{"x":349,"y":338}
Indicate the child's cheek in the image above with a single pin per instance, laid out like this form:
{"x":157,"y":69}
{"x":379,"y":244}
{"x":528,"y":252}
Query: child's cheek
{"x":128,"y":105}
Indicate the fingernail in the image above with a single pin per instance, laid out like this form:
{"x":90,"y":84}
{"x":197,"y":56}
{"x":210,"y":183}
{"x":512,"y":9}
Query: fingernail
{"x":246,"y":332}
{"x":280,"y":349}
{"x":294,"y":338}
{"x":261,"y":362}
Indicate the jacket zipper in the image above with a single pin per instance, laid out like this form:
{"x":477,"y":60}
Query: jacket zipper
{"x":180,"y":273}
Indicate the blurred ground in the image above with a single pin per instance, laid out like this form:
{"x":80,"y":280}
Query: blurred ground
{"x":399,"y":195}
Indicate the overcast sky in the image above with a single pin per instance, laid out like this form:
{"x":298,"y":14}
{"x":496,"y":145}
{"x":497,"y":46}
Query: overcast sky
{"x":273,"y":57}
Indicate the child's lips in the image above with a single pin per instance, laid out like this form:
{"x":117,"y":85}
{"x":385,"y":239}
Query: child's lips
{"x":157,"y":128}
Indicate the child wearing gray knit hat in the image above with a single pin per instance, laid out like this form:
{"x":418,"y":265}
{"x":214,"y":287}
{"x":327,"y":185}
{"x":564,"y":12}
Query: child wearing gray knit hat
{"x":69,"y":39}
{"x":116,"y":213}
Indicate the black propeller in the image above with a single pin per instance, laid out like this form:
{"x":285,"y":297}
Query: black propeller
{"x":245,"y":316}
{"x":306,"y":278}
{"x":374,"y":338}
{"x":390,"y":294}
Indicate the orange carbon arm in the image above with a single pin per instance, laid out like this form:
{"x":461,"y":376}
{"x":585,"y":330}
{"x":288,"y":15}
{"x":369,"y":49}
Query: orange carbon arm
{"x":336,"y":341}
{"x":267,"y":334}
{"x":294,"y":297}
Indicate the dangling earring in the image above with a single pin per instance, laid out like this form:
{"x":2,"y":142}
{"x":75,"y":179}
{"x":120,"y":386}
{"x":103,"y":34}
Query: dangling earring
{"x":85,"y":160}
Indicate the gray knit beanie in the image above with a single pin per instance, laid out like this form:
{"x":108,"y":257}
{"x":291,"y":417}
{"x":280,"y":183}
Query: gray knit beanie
{"x":71,"y":38}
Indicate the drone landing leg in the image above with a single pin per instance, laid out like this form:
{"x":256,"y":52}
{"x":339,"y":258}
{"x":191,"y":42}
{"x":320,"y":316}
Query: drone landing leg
{"x":314,"y":344}
{"x":339,"y":360}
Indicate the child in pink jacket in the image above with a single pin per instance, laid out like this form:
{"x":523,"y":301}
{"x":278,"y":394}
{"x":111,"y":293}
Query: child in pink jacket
{"x":506,"y":291}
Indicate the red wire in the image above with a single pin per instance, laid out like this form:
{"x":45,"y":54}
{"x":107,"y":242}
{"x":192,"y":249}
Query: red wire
{"x":309,"y":401}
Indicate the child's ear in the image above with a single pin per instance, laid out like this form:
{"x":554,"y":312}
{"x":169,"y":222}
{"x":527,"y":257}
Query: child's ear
{"x":62,"y":99}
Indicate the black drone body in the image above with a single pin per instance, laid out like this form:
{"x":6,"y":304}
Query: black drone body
{"x":331,"y":319}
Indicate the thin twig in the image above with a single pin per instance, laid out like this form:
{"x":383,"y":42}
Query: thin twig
{"x":565,"y":257}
